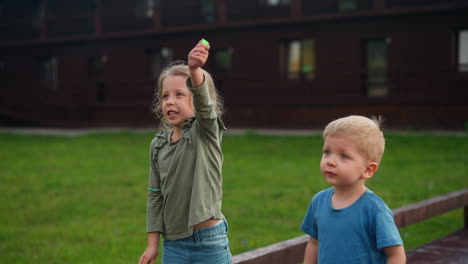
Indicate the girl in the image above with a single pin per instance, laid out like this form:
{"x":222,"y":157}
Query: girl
{"x":185,"y":182}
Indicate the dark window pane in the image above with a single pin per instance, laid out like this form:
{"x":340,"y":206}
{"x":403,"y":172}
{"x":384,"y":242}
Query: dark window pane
{"x":376,"y":63}
{"x":157,"y":60}
{"x":300,"y":59}
{"x":96,"y":66}
{"x":223,"y":60}
{"x":463,"y":50}
{"x":49,"y":72}
{"x":347,"y":5}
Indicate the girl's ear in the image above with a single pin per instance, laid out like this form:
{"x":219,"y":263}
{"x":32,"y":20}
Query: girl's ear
{"x":370,"y":170}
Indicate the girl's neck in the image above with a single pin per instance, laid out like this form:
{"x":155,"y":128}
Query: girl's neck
{"x":176,"y":134}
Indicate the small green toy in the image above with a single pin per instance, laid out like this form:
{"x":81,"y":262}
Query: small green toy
{"x":204,"y":41}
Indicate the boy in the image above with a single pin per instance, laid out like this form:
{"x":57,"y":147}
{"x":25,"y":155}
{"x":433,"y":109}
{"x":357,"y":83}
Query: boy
{"x":348,"y":223}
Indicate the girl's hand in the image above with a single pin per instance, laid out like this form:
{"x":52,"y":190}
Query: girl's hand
{"x":149,"y":256}
{"x":198,"y":56}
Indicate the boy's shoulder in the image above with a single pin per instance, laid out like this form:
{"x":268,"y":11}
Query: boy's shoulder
{"x":323,"y":195}
{"x":325,"y":192}
{"x":374,"y":201}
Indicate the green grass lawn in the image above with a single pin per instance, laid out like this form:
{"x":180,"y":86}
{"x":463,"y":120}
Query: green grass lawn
{"x":83,"y":199}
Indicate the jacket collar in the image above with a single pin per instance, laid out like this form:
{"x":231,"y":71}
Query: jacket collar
{"x":164,"y":136}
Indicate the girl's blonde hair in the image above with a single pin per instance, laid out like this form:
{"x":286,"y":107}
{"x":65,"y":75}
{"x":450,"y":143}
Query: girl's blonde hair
{"x":364,"y":132}
{"x":179,"y":68}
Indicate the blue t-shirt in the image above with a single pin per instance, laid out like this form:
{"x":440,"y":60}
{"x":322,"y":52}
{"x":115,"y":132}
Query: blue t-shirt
{"x":355,"y":234}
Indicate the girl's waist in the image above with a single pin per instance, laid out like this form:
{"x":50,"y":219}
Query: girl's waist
{"x":206,"y":223}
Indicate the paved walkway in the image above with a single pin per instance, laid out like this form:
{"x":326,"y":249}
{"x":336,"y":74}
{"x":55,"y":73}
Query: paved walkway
{"x":450,"y":249}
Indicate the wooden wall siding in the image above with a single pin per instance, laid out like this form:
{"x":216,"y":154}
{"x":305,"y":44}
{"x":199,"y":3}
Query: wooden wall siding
{"x":60,"y":8}
{"x":332,"y":6}
{"x":29,"y":20}
{"x":239,"y":10}
{"x":19,"y":20}
{"x":186,"y":13}
{"x":123,"y":21}
{"x":13,"y":9}
{"x":416,"y":3}
{"x":425,"y":88}
{"x":19,"y":29}
{"x":72,"y":25}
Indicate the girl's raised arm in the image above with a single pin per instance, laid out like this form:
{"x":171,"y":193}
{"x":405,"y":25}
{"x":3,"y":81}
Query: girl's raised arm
{"x":197,"y":57}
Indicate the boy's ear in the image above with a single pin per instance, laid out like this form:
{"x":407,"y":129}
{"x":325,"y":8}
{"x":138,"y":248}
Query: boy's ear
{"x":371,"y":168}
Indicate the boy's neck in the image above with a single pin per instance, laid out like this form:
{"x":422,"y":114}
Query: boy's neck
{"x":344,"y":197}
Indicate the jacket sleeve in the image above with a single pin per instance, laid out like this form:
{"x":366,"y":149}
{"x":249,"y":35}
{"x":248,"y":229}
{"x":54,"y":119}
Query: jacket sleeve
{"x":154,"y":205}
{"x":205,"y":111}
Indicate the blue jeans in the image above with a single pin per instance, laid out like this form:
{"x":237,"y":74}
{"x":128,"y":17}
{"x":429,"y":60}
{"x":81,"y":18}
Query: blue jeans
{"x":206,"y":246}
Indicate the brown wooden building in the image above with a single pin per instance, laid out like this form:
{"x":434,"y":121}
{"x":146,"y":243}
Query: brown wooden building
{"x":277,"y":63}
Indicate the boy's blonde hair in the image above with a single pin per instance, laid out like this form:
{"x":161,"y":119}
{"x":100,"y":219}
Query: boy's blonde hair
{"x":365,"y":132}
{"x":178,"y":68}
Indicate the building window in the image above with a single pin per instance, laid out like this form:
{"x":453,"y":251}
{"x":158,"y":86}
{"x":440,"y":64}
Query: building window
{"x":37,"y":16}
{"x":300,"y":59}
{"x":277,"y":2}
{"x":2,"y":70}
{"x":157,"y":60}
{"x":60,"y":8}
{"x":208,"y":11}
{"x":49,"y":72}
{"x":223,"y":60}
{"x":462,"y":50}
{"x":376,"y":67}
{"x":347,"y":5}
{"x":96,"y":66}
{"x":145,"y":8}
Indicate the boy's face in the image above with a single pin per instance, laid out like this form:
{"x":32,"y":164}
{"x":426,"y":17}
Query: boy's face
{"x":176,"y":100}
{"x":342,"y":164}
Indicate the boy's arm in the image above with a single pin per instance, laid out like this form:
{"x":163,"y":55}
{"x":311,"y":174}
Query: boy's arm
{"x":395,"y":254}
{"x":310,"y":256}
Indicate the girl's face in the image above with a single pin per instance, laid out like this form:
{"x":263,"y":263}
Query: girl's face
{"x":176,"y":100}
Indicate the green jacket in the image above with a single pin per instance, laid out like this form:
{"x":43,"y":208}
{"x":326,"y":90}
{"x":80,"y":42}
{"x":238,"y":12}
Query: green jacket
{"x":190,"y":191}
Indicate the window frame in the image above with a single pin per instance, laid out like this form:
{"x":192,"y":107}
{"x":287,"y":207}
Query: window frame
{"x":217,"y":65}
{"x":96,"y":65}
{"x":348,"y":6}
{"x":156,"y":56}
{"x":278,"y":3}
{"x":303,"y":74}
{"x":145,"y":9}
{"x":49,"y":72}
{"x":383,"y":72}
{"x":460,"y":66}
